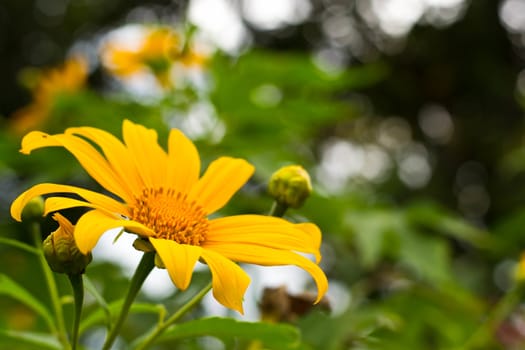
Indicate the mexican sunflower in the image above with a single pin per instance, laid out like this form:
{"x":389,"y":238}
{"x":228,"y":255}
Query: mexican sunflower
{"x":158,"y":50}
{"x":68,"y":78}
{"x":161,"y":198}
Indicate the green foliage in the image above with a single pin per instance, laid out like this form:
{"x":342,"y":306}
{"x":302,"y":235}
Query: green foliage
{"x":28,"y":340}
{"x":415,"y":269}
{"x":271,"y":336}
{"x":10,"y":288}
{"x":284,"y":95}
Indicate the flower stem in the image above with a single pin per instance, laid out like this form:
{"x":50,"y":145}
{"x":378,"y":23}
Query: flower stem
{"x":51,"y":286}
{"x":143,"y":269}
{"x":162,"y":326}
{"x":19,"y":245}
{"x":278,"y":209}
{"x":500,"y":311}
{"x":78,"y":293}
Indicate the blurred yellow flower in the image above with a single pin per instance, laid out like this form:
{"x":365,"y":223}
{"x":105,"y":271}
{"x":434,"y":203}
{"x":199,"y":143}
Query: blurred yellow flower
{"x":156,"y":53}
{"x":69,"y":77}
{"x":163,"y":200}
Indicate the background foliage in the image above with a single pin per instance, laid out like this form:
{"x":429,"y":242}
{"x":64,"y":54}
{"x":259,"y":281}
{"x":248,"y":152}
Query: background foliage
{"x":414,"y":139}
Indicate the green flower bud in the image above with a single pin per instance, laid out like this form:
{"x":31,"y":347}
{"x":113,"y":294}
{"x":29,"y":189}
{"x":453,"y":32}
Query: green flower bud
{"x":158,"y":262}
{"x":290,"y":186}
{"x":143,"y":245}
{"x":61,"y":251}
{"x":34,"y":209}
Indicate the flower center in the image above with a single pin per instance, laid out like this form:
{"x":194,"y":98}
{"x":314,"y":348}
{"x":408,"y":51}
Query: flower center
{"x":171,"y":215}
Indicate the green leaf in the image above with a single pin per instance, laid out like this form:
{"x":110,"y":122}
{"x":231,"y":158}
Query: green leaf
{"x":426,"y":255}
{"x":98,"y":297}
{"x":12,"y":289}
{"x":435,"y":218}
{"x":376,"y":234}
{"x":100,"y":315}
{"x":273,"y":336}
{"x":33,"y":340}
{"x":18,"y":244}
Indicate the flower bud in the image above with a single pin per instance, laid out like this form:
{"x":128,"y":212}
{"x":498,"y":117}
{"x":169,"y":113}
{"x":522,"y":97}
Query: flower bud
{"x":143,"y":245}
{"x":34,"y":209}
{"x":158,"y":262}
{"x":290,"y":186}
{"x":61,"y":251}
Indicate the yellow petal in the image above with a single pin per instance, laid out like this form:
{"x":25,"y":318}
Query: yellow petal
{"x":90,"y":159}
{"x":260,"y":255}
{"x":313,"y":231}
{"x":179,"y":260}
{"x":95,"y":198}
{"x":52,"y":204}
{"x":149,"y":157}
{"x":117,"y":155}
{"x":229,"y":281}
{"x":183,"y":162}
{"x":35,"y":140}
{"x":95,"y":223}
{"x":222,"y":179}
{"x":267,"y":231}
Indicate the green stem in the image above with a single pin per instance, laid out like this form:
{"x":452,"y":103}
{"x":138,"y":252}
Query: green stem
{"x":51,"y":286}
{"x":278,"y":209}
{"x":19,"y":245}
{"x":78,"y":293}
{"x":143,"y":269}
{"x":91,"y":289}
{"x":162,"y":326}
{"x":497,"y":315}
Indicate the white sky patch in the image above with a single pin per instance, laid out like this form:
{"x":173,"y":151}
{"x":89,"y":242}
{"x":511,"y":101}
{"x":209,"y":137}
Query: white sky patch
{"x":377,"y":165}
{"x":128,"y":37}
{"x":414,"y":168}
{"x":274,"y":14}
{"x":394,"y":133}
{"x":220,"y":23}
{"x":444,"y":3}
{"x":143,"y":86}
{"x":339,"y":296}
{"x":396,"y":17}
{"x":436,"y":122}
{"x":342,"y":160}
{"x":512,"y":14}
{"x":200,"y":121}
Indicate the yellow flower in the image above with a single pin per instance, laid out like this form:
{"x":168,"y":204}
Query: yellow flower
{"x":159,"y":50}
{"x":163,"y":200}
{"x":70,"y":77}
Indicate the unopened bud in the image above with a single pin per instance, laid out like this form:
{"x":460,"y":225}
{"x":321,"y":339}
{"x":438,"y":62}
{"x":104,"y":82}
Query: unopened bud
{"x":158,"y":262}
{"x":61,"y":251}
{"x":290,"y":186}
{"x":34,"y":209}
{"x":143,"y":245}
